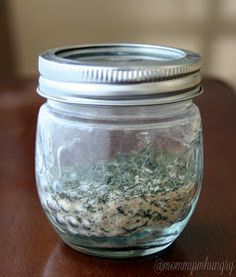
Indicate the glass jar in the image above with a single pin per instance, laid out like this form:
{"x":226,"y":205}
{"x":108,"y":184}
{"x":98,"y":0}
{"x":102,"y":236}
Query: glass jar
{"x":119,"y":155}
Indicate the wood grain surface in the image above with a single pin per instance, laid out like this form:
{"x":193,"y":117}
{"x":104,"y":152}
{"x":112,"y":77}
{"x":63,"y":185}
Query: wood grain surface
{"x":29,"y":246}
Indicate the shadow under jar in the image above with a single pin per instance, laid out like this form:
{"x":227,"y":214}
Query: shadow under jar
{"x":119,"y":155}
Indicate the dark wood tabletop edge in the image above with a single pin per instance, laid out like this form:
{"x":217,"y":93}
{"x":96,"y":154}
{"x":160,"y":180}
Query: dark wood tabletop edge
{"x":220,"y":81}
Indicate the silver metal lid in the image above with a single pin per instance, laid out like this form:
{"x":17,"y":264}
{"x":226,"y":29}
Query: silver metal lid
{"x":119,"y":74}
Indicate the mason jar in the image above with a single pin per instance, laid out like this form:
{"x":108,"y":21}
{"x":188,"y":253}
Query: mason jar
{"x":119,"y":156}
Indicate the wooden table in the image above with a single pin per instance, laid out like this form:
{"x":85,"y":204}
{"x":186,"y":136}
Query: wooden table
{"x":29,"y":246}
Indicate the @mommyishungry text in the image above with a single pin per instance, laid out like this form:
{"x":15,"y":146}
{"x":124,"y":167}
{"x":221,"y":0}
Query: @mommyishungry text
{"x":222,"y":267}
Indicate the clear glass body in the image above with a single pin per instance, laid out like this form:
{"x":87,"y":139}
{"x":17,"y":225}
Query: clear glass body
{"x":119,"y":181}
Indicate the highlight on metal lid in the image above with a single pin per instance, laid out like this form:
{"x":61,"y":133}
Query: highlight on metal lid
{"x":119,"y":74}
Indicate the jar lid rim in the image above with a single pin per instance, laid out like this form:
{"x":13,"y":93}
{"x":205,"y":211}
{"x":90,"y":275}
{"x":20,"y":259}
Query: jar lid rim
{"x":118,"y":70}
